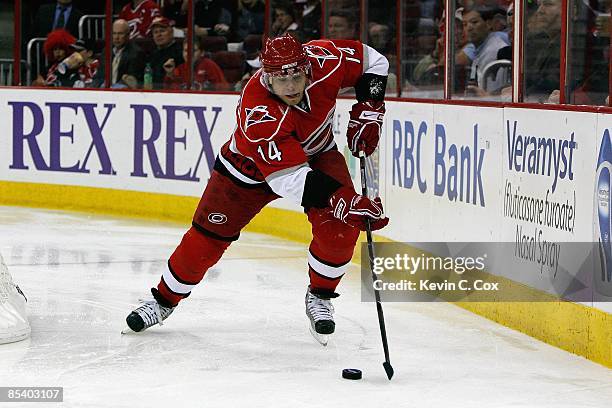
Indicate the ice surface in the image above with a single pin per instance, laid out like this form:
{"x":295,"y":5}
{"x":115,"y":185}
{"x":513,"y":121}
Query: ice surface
{"x":241,"y":339}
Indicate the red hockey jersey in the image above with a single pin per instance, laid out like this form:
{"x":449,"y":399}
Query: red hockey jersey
{"x":139,"y":19}
{"x":274,"y":138}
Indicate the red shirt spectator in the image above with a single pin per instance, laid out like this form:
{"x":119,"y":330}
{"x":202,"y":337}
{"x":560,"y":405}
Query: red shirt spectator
{"x":207,"y":74}
{"x":139,"y":14}
{"x":56,"y":49}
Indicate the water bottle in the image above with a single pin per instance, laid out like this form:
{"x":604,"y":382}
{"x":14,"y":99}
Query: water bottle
{"x":62,"y":67}
{"x":148,"y":77}
{"x":73,"y":61}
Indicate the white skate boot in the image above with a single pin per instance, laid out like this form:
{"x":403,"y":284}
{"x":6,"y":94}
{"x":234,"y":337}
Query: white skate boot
{"x":320,"y":310}
{"x":150,"y":313}
{"x":14,"y":325}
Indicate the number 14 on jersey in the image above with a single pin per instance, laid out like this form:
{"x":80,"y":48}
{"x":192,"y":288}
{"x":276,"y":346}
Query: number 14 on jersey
{"x":273,"y":152}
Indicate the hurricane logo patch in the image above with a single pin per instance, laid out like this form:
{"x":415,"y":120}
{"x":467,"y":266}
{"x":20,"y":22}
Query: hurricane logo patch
{"x":258,"y":114}
{"x":320,"y":54}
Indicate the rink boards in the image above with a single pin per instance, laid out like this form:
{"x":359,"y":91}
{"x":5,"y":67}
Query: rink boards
{"x":445,"y":173}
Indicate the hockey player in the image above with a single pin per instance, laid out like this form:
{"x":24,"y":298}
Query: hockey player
{"x":283,"y":147}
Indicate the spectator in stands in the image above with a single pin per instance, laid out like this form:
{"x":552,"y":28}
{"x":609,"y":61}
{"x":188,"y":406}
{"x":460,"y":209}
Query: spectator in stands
{"x":506,"y":52}
{"x":207,"y":75}
{"x":252,"y":50}
{"x":430,"y":68}
{"x":127,"y":65}
{"x":380,"y":38}
{"x":176,"y":10}
{"x":61,"y":14}
{"x":478,"y":28}
{"x":56,"y":49}
{"x":542,"y":72}
{"x":284,"y":20}
{"x":252,"y":66}
{"x":250,"y":20}
{"x":500,"y":21}
{"x":342,"y":25}
{"x":166,"y":49}
{"x":140,"y":14}
{"x":499,"y":85}
{"x":211,"y":18}
{"x":588,"y":70}
{"x":81,"y":68}
{"x":383,"y":11}
{"x":311,"y":21}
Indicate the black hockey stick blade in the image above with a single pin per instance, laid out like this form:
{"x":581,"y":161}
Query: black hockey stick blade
{"x":388,"y":369}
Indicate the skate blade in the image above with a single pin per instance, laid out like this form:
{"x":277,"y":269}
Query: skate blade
{"x":127,"y":330}
{"x":322,"y":339}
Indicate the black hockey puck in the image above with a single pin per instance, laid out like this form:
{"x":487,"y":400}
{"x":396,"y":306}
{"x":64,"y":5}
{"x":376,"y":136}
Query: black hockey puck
{"x":351,"y":374}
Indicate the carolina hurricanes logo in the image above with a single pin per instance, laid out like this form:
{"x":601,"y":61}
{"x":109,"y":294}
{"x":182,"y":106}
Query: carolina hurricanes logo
{"x":320,"y":54}
{"x":258,"y":114}
{"x":217,"y":218}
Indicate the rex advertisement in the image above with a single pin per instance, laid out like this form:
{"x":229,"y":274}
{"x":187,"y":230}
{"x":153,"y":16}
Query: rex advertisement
{"x":130,"y":141}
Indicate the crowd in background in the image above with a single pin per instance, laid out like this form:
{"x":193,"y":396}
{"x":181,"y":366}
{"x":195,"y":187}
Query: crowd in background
{"x":482,"y":50}
{"x":149,"y":48}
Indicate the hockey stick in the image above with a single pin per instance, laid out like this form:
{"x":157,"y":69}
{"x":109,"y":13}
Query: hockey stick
{"x":379,"y":309}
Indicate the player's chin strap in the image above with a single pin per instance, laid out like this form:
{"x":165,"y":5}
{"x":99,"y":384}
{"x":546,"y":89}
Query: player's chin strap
{"x":371,"y":87}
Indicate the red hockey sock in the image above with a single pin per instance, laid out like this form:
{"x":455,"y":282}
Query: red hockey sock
{"x":322,"y":283}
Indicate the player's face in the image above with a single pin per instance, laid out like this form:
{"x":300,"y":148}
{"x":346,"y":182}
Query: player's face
{"x":289,"y":88}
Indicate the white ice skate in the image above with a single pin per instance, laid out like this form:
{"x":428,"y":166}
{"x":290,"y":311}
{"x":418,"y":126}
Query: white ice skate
{"x":320,"y":310}
{"x":14,"y":324}
{"x":148,"y":314}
